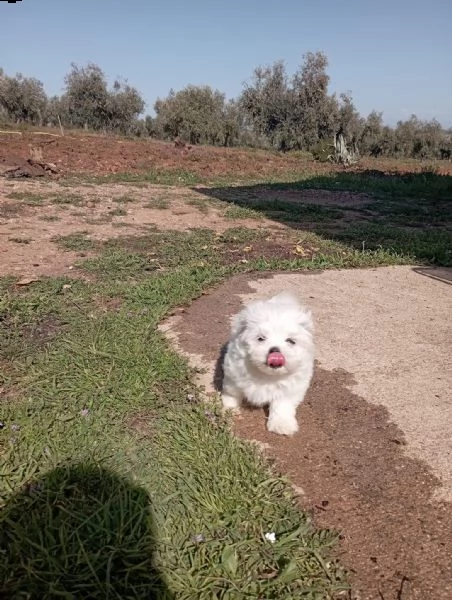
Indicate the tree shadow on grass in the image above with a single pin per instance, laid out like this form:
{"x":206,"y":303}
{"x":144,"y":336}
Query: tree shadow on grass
{"x":81,"y":531}
{"x":408,"y":214}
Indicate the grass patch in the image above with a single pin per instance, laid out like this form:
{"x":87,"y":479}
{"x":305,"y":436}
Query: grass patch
{"x":117,"y":264}
{"x":235,"y":250}
{"x":121,"y":224}
{"x":248,"y":203}
{"x":160,"y":203}
{"x":29,"y":198}
{"x":118,"y":212}
{"x":74,"y":199}
{"x":431,"y":246}
{"x":426,"y":184}
{"x":126,"y":199}
{"x":178,"y":177}
{"x":102,"y":220}
{"x":9,"y":210}
{"x":51,"y":218}
{"x":76,"y":242}
{"x":296,"y":212}
{"x":20,"y":240}
{"x":198,"y":203}
{"x":241,"y":212}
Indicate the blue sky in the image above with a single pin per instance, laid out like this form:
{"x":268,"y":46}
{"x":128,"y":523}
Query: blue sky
{"x":394,"y":56}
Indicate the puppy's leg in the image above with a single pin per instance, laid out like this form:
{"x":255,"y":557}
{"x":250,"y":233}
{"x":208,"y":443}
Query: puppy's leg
{"x":231,"y":397}
{"x":282,"y":417}
{"x":231,"y":402}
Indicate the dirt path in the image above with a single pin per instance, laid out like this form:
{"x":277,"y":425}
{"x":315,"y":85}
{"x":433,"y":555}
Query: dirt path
{"x":373,"y":457}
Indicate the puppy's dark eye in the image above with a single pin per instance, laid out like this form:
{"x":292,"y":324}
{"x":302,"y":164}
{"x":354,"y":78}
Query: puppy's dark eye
{"x":290,"y":341}
{"x":261,"y":338}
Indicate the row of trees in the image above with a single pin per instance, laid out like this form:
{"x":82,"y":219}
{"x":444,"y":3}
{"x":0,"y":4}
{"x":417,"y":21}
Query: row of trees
{"x":274,"y":110}
{"x":86,"y":102}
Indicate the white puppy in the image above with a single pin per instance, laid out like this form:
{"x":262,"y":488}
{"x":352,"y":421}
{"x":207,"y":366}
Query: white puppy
{"x":270,"y":360}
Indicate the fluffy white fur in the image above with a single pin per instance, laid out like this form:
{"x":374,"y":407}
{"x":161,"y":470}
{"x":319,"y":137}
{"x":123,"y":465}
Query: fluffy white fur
{"x":279,"y":323}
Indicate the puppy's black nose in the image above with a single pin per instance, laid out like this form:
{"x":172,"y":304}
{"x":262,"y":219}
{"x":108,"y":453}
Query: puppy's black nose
{"x":274,"y":349}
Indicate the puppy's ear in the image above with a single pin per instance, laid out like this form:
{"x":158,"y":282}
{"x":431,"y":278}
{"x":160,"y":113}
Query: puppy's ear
{"x":239,"y":324}
{"x":305,"y":320}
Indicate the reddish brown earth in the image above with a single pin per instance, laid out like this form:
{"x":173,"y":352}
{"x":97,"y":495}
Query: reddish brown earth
{"x":102,"y":155}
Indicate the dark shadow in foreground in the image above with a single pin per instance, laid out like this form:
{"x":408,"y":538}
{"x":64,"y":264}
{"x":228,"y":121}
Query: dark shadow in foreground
{"x":81,"y":531}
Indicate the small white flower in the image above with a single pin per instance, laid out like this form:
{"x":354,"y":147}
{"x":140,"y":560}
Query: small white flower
{"x":270,"y":536}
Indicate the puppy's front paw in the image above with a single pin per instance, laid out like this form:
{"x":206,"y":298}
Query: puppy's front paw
{"x":230,"y":403}
{"x":282,"y":425}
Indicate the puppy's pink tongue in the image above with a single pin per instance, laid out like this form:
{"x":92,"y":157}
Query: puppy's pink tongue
{"x":275,"y":359}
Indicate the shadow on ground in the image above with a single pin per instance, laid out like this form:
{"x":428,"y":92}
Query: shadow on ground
{"x":409,"y":214}
{"x":79,"y":532}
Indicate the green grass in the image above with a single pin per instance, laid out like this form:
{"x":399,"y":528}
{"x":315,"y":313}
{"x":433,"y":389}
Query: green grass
{"x":33,"y":199}
{"x":28,"y":198}
{"x":287,"y":212}
{"x":430,"y":245}
{"x":178,"y":177}
{"x":160,"y":203}
{"x":125,"y":199}
{"x":76,"y":242}
{"x":74,"y":199}
{"x":425,"y":184}
{"x":129,"y":257}
{"x":241,"y":212}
